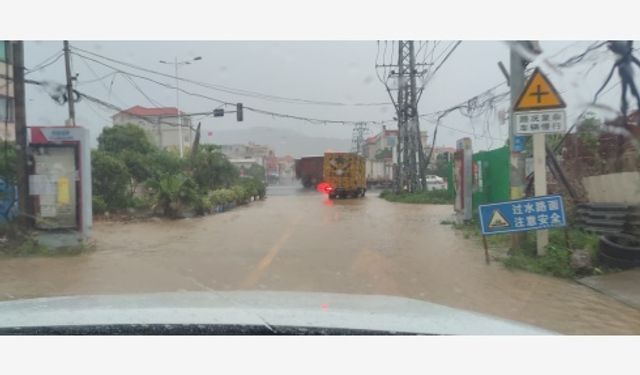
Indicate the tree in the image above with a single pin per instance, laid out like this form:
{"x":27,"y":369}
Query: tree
{"x":130,"y":144}
{"x":441,"y":165}
{"x":254,"y":171}
{"x":588,"y":132}
{"x":128,"y":137}
{"x":110,"y":179}
{"x":174,"y":192}
{"x":8,"y":163}
{"x":211,"y":169}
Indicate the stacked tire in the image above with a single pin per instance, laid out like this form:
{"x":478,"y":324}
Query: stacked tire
{"x":620,"y":250}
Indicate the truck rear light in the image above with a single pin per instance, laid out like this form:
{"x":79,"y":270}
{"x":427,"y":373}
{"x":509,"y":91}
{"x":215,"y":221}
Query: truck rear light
{"x":324,"y":187}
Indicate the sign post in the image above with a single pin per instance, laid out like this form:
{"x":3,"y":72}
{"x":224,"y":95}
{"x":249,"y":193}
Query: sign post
{"x":538,"y":111}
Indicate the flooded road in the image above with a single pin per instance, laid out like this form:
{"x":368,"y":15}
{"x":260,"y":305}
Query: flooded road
{"x":300,"y":241}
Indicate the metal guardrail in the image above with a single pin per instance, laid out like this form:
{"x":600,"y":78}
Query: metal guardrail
{"x":607,"y":218}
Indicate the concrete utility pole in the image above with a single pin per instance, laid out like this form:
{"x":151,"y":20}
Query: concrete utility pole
{"x":67,"y":67}
{"x":518,"y":63}
{"x":517,"y":175}
{"x":22,"y":171}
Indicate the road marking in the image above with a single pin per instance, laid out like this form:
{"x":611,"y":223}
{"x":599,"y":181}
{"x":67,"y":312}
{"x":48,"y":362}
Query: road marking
{"x":255,"y":275}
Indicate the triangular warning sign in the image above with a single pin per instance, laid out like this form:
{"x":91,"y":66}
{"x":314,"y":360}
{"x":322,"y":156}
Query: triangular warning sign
{"x":498,"y":221}
{"x":538,"y":93}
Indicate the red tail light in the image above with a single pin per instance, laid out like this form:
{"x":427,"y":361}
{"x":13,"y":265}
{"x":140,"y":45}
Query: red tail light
{"x":324,"y":187}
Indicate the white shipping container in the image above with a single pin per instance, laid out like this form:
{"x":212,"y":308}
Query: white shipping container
{"x":378,"y":171}
{"x":375,"y":170}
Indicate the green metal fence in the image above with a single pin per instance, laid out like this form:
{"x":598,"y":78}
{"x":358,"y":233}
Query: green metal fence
{"x":490,"y":177}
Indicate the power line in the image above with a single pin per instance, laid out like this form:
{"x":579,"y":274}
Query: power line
{"x":135,"y":86}
{"x":230,"y":90}
{"x":248,"y":108}
{"x":98,"y":79}
{"x":472,"y":107}
{"x":118,"y":109}
{"x":45,"y":64}
{"x":445,"y":58}
{"x":90,"y":106}
{"x":106,"y":89}
{"x":577,"y":58}
{"x":430,"y":77}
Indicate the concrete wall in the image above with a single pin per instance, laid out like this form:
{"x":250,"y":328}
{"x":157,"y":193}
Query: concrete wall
{"x":613,"y":188}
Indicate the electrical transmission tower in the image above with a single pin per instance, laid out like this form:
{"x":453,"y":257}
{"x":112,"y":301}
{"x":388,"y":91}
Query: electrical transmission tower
{"x":410,"y":155}
{"x":357,"y":140}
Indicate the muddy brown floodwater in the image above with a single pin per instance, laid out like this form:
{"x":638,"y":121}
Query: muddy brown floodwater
{"x":300,"y":241}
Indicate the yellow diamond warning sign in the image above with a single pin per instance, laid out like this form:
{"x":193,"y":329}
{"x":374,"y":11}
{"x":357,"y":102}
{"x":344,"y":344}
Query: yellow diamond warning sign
{"x":538,"y":94}
{"x":498,"y":221}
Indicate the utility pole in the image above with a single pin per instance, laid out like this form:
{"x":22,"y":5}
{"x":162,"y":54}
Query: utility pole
{"x":178,"y":108}
{"x":176,"y":63}
{"x":516,"y":82}
{"x":410,"y":153}
{"x":357,"y":139}
{"x":21,"y":134}
{"x":67,"y":67}
{"x":517,"y":175}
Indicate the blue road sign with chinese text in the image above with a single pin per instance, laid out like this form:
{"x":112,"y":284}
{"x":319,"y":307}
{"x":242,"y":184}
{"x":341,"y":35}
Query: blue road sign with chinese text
{"x":522,"y":215}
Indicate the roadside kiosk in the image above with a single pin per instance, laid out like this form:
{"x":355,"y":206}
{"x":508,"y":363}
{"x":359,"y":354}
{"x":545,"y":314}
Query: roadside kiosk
{"x":60,"y":184}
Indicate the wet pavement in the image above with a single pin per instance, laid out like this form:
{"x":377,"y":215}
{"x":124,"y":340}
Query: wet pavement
{"x":299,"y":241}
{"x":623,"y":286}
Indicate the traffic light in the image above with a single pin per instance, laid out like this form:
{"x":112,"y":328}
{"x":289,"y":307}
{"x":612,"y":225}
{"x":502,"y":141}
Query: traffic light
{"x":239,"y":115}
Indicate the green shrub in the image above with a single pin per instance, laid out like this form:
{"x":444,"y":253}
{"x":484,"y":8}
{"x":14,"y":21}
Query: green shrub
{"x":141,"y":202}
{"x":222,"y":197}
{"x":255,"y":187}
{"x":556,"y":262}
{"x":110,"y":180}
{"x":202,"y":205}
{"x":173,"y":193}
{"x":99,"y":205}
{"x":241,"y":194}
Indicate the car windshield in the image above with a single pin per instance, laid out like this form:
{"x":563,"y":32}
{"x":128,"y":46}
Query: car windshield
{"x":389,"y":168}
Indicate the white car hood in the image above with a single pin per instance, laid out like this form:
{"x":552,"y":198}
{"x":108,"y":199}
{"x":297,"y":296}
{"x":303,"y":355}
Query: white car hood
{"x":273,"y":309}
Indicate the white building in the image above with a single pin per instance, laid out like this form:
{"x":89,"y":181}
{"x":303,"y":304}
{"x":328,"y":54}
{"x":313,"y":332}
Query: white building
{"x":251,"y":150}
{"x":386,"y":140}
{"x":160,"y":124}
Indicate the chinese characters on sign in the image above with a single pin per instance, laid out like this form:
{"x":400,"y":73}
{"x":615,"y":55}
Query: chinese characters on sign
{"x":521,"y":215}
{"x":551,"y":121}
{"x":542,"y":213}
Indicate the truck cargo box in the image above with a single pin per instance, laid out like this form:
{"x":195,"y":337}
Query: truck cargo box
{"x":344,"y":174}
{"x":309,"y":170}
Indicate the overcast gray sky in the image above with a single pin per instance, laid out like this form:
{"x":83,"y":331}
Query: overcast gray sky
{"x":338,"y":71}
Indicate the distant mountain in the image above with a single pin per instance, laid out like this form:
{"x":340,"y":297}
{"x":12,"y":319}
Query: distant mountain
{"x":282,"y":141}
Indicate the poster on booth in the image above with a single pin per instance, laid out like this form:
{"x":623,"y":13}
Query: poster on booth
{"x":521,"y":215}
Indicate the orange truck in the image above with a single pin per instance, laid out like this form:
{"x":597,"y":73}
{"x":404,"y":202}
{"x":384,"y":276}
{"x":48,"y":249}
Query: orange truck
{"x":344,"y":175}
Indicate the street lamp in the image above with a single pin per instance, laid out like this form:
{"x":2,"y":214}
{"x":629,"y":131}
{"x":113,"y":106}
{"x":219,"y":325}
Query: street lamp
{"x":176,"y":64}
